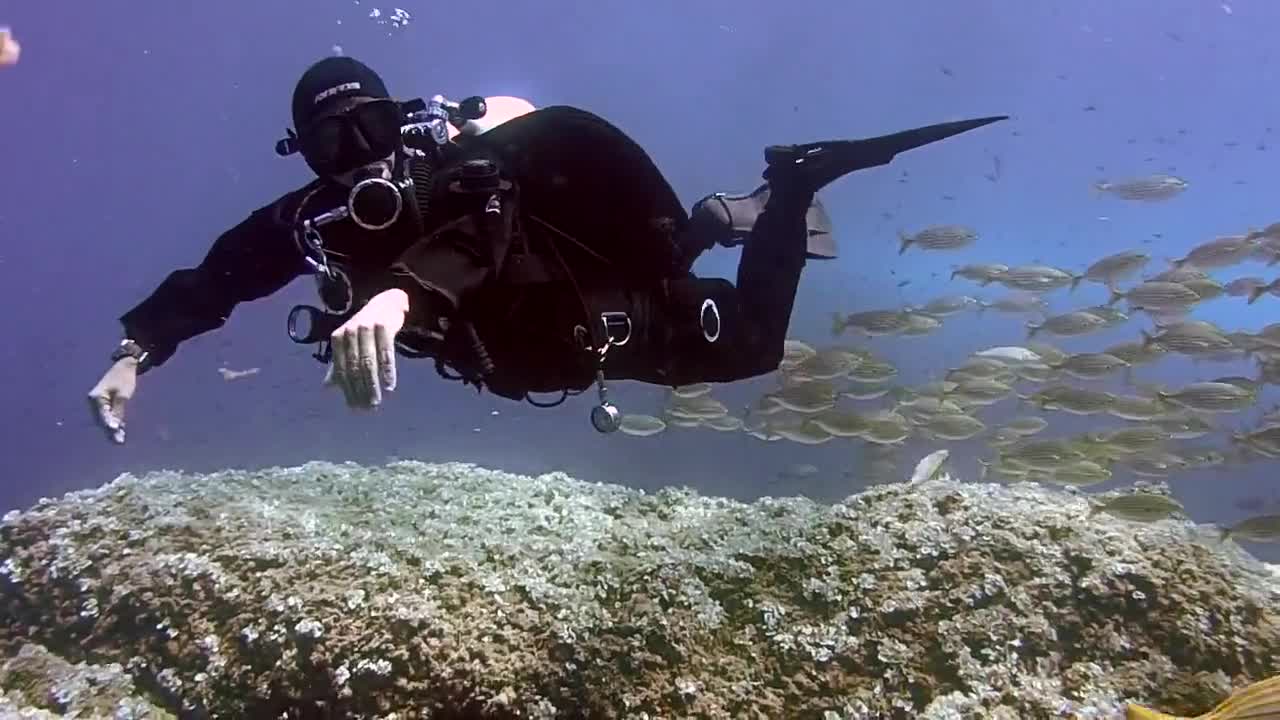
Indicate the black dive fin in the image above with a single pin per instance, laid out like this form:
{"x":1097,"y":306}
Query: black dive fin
{"x":822,"y":245}
{"x":822,"y":162}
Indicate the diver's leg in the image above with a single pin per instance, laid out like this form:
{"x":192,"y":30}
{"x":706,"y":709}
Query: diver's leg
{"x":754,"y":314}
{"x":773,"y":257}
{"x":709,"y":329}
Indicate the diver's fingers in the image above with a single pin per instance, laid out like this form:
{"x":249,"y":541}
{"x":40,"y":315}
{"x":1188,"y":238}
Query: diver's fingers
{"x":369,"y":390}
{"x":328,"y":374}
{"x":118,"y":401}
{"x":386,"y":356}
{"x":351,"y":365}
{"x":100,"y":405}
{"x":345,"y":359}
{"x":111,"y":420}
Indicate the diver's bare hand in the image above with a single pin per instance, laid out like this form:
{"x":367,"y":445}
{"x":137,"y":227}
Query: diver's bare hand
{"x":108,"y":398}
{"x":364,"y":359}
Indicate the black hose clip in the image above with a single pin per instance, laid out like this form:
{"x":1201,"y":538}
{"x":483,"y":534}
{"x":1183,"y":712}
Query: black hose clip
{"x":308,"y":324}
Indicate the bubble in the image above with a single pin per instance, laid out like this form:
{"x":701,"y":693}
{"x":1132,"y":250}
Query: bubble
{"x":396,"y":17}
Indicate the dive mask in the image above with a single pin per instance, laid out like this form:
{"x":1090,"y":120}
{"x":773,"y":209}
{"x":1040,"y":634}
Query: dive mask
{"x":343,"y":141}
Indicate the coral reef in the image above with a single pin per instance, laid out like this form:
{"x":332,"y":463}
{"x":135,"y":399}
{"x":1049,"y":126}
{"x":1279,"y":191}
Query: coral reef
{"x":417,"y":590}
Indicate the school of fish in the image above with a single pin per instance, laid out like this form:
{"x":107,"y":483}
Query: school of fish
{"x":846,"y":392}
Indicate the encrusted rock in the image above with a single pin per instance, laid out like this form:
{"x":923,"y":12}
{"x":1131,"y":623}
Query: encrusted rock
{"x":419,"y":590}
{"x":34,"y":683}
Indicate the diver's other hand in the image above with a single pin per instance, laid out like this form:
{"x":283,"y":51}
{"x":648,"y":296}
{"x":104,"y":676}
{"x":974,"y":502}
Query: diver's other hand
{"x":364,"y":358}
{"x":9,"y":48}
{"x":108,"y":398}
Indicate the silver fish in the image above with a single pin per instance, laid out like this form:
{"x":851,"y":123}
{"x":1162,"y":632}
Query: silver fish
{"x":1073,"y":323}
{"x":1207,"y":288}
{"x":1092,"y":366}
{"x":954,"y":427}
{"x":1188,"y":338}
{"x":1157,"y":295}
{"x":938,"y":237}
{"x":840,"y":423}
{"x":1009,"y":354}
{"x":930,"y":467}
{"x":1179,"y":274}
{"x":641,"y":425}
{"x":1183,"y":427}
{"x":1244,"y":287}
{"x":1047,"y":455}
{"x":1076,"y":401}
{"x":1136,"y":407}
{"x":983,"y":274}
{"x":920,"y":324}
{"x":1119,"y":266}
{"x":872,"y":322}
{"x":1080,"y":474}
{"x":1219,"y":252}
{"x":1027,"y":424}
{"x":1151,"y":188}
{"x":1267,"y":250}
{"x":1023,"y":302}
{"x":1111,"y":316}
{"x":1136,"y":353}
{"x":1140,"y":507}
{"x":1263,"y":528}
{"x":1211,"y":397}
{"x":690,"y":391}
{"x":1049,"y":354}
{"x":795,"y":352}
{"x":947,"y":306}
{"x":1038,"y":278}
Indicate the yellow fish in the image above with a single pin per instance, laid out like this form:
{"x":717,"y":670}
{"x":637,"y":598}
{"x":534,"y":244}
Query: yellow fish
{"x":1259,"y":701}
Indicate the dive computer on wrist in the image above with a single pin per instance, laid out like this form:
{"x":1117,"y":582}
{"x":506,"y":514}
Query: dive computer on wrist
{"x":129,"y":348}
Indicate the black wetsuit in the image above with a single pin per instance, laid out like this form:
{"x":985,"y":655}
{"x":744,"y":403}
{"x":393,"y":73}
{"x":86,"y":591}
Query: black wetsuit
{"x":598,"y":230}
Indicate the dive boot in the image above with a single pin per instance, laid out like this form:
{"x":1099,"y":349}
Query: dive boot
{"x":728,"y":220}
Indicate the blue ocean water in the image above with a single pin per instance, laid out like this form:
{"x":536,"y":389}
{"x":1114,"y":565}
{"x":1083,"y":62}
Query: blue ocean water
{"x":134,"y":135}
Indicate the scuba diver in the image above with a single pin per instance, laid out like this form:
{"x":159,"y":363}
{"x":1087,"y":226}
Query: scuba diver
{"x":526,"y":251}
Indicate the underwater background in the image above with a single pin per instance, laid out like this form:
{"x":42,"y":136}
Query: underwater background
{"x":134,"y":134}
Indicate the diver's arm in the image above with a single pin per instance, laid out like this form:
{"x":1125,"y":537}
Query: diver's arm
{"x":250,"y":261}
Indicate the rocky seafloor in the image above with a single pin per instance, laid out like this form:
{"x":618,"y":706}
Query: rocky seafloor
{"x":449,"y":591}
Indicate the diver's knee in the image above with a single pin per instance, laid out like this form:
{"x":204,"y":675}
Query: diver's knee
{"x":712,"y":336}
{"x":692,"y":330}
{"x":698,"y":311}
